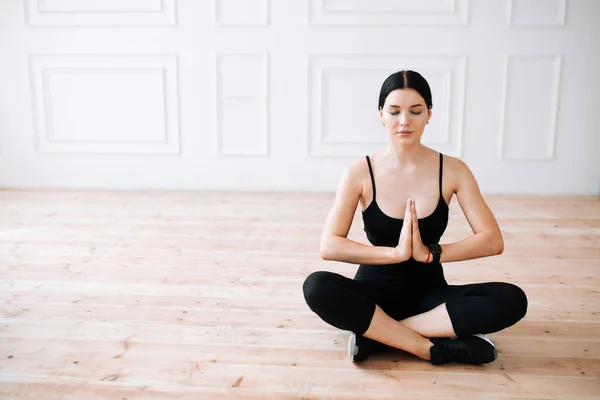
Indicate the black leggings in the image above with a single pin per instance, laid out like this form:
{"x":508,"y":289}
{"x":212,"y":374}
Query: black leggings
{"x":349,"y":304}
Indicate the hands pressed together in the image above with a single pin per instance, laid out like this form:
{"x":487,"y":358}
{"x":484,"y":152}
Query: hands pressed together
{"x":410,"y":243}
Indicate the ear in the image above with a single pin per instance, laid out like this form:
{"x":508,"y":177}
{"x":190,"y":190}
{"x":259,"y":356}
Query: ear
{"x":381,"y":113}
{"x":429,"y":112}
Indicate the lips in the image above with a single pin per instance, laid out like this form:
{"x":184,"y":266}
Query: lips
{"x":404,"y":132}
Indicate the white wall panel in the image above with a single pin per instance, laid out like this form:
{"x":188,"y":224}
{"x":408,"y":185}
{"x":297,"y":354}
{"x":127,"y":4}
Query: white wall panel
{"x":531,"y":90}
{"x":531,"y":13}
{"x":242,"y":101}
{"x":342,"y":101}
{"x":63,"y":13}
{"x":388,"y":12}
{"x":105,"y":104}
{"x":242,"y":12}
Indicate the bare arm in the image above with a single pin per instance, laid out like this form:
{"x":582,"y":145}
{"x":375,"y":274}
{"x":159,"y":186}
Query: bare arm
{"x":487,"y":239}
{"x":335,"y":246}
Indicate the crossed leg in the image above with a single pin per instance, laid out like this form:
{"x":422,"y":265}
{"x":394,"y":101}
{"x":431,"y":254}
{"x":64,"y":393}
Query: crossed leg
{"x":448,"y":311}
{"x":411,"y":334}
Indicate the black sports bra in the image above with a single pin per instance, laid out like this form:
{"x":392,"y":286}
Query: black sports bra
{"x":383,"y":230}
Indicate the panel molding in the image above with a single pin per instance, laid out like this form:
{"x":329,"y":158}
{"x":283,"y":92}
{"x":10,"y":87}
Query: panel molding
{"x":47,"y":93}
{"x":222,"y":21}
{"x":42,"y":66}
{"x":550,"y":150}
{"x":559,"y":22}
{"x":263,"y":151}
{"x":449,"y":110}
{"x":320,"y":137}
{"x":447,"y":13}
{"x":44,"y":14}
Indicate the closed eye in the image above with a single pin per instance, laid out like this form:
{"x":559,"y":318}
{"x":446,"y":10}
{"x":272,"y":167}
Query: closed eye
{"x":412,"y":112}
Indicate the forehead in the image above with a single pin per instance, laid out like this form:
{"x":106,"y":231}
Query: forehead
{"x":404,"y":98}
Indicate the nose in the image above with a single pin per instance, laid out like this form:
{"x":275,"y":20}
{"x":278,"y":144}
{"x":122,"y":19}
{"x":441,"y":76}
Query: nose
{"x":403,"y":119}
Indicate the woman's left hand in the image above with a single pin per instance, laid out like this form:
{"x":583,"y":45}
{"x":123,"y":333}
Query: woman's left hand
{"x":420,"y":252}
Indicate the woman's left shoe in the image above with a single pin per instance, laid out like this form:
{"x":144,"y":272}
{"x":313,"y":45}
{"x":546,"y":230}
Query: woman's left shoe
{"x":474,"y":349}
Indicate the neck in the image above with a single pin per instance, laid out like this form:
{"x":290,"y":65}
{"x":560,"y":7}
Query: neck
{"x":404,"y":155}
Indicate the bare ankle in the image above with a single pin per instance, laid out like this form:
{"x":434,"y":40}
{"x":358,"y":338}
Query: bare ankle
{"x":426,"y":352}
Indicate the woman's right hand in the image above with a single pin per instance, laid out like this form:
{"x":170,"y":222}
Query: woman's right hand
{"x":403,"y":251}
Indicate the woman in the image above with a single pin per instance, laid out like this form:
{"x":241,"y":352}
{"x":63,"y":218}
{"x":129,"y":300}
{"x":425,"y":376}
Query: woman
{"x":399,"y":297}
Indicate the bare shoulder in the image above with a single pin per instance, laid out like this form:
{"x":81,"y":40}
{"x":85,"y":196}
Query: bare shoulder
{"x":359,"y":167}
{"x":355,"y":176}
{"x":458,"y":172}
{"x":347,"y":197}
{"x":470,"y":199}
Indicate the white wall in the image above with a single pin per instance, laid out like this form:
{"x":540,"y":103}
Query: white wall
{"x":282,"y":94}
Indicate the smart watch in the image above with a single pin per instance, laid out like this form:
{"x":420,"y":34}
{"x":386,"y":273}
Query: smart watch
{"x":436,"y":252}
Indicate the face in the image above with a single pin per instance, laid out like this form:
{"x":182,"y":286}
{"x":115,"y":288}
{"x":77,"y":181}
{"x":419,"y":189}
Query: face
{"x":404,"y":114}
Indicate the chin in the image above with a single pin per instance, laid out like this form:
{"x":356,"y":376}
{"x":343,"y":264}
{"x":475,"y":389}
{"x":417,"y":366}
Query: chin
{"x":406,"y":140}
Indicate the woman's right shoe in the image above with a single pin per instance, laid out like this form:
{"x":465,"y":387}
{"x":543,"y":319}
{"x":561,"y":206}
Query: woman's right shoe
{"x":353,"y":348}
{"x":360,"y":347}
{"x":473,"y":349}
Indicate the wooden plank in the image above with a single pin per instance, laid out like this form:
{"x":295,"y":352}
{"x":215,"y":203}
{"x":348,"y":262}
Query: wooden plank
{"x":191,"y":314}
{"x":251,"y":232}
{"x":295,"y":271}
{"x":75,"y":389}
{"x":300,"y":381}
{"x":262,"y":336}
{"x":28,"y":352}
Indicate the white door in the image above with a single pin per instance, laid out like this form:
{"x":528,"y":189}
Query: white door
{"x":282,"y":94}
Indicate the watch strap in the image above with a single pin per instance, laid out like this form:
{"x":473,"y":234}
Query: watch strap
{"x":436,"y":252}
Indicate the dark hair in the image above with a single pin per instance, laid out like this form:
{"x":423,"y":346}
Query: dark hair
{"x":405,"y":80}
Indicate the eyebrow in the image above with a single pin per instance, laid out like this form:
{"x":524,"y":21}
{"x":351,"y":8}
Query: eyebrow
{"x":414,"y":105}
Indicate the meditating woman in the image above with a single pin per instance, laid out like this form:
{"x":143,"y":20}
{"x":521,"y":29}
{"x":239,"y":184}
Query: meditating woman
{"x":399,"y":297}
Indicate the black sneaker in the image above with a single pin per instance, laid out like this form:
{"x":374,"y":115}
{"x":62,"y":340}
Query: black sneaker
{"x":360,"y":347}
{"x":474,"y":349}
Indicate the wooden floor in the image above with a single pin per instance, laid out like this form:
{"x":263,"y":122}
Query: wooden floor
{"x":148,"y":295}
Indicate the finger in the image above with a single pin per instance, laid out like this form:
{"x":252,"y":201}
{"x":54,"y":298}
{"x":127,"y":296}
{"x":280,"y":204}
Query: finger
{"x":415,"y":225}
{"x":407,"y":212}
{"x":409,"y":217}
{"x":407,"y":226}
{"x":415,"y":237}
{"x":415,"y":220}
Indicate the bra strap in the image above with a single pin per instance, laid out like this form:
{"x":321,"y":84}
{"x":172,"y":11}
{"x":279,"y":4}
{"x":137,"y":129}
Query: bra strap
{"x":441,"y":168}
{"x":372,"y":177}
